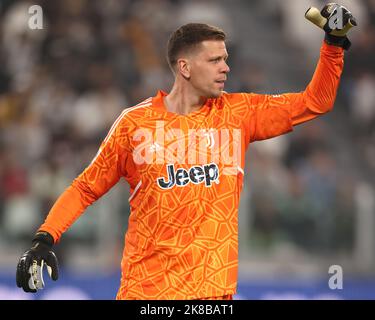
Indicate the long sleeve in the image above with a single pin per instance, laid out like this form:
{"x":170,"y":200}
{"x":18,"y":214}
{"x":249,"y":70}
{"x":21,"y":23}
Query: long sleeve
{"x":320,"y":94}
{"x":104,"y":171}
{"x":269,"y":116}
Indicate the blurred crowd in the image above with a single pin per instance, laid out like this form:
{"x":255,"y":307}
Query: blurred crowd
{"x":62,"y":87}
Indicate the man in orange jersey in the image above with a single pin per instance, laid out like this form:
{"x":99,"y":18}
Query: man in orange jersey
{"x":183,"y":155}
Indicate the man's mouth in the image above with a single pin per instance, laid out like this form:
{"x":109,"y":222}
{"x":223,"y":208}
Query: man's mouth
{"x":221,"y":82}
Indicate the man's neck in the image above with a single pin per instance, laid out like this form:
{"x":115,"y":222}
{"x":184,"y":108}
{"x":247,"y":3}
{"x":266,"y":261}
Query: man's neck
{"x":181,"y":101}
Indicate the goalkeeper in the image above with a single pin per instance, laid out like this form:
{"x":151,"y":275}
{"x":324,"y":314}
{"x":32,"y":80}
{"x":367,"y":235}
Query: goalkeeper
{"x":182,"y":240}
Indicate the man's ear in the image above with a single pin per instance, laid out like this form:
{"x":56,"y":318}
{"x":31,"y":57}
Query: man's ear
{"x":183,"y":67}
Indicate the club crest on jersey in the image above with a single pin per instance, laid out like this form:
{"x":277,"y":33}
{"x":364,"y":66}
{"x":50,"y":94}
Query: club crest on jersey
{"x":180,"y":177}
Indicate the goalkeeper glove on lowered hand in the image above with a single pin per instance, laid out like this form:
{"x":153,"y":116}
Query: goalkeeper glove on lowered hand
{"x":29,"y":275}
{"x":336,"y":21}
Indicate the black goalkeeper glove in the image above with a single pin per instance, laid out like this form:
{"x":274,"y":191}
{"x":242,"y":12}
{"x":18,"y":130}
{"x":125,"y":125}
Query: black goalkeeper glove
{"x":336,"y":21}
{"x":29,"y":275}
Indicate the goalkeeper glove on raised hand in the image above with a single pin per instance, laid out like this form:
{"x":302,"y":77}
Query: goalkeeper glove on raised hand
{"x":336,"y":21}
{"x":29,"y":275}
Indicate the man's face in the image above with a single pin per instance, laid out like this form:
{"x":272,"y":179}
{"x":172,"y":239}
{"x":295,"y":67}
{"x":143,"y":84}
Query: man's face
{"x":208,"y":68}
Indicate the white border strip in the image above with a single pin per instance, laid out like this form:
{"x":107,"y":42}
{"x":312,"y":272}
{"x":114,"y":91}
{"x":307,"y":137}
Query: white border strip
{"x":118,"y":120}
{"x":140,"y":105}
{"x":135,"y":190}
{"x":240,"y":170}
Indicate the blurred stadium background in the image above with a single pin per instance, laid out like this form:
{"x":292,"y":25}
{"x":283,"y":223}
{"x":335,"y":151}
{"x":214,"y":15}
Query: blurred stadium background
{"x":308,"y":200}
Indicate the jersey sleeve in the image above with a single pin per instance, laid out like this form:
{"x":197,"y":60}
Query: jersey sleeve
{"x":105,"y":170}
{"x":269,"y":116}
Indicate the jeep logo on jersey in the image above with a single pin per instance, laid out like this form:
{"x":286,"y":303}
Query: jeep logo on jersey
{"x":207,"y":173}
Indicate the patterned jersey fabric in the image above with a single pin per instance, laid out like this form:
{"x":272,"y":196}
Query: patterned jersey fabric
{"x":185,"y":174}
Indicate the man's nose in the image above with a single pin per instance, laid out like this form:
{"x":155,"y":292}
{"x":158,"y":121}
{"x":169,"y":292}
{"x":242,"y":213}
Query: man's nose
{"x":226,"y":68}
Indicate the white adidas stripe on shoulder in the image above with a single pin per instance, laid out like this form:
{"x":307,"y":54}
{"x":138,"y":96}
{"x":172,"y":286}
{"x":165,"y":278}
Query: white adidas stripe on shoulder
{"x":142,"y":104}
{"x":145,"y":103}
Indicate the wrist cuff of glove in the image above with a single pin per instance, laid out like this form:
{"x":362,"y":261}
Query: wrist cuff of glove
{"x":43,"y":237}
{"x":342,"y":42}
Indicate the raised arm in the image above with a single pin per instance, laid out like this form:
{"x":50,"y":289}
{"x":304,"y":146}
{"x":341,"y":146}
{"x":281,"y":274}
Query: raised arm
{"x":268,"y":116}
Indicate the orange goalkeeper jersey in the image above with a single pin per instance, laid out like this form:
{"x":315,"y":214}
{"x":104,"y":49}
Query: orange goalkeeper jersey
{"x":185,"y":174}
